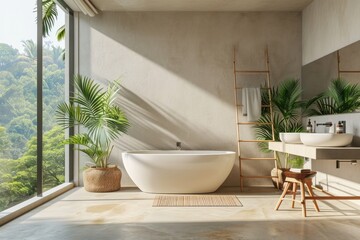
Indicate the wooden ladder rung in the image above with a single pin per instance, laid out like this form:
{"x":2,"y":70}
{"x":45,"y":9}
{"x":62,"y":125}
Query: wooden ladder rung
{"x":240,"y":105}
{"x":254,"y":123}
{"x":262,"y":88}
{"x":348,"y":71}
{"x":259,"y":176}
{"x":254,"y":158}
{"x":252,"y":71}
{"x":255,"y":140}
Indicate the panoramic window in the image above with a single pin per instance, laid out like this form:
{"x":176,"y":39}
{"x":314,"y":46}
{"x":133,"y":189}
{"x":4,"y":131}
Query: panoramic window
{"x":18,"y":99}
{"x":53,"y":94}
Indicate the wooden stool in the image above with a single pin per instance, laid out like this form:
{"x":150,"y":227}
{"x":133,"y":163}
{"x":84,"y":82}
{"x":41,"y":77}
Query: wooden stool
{"x":305,"y":181}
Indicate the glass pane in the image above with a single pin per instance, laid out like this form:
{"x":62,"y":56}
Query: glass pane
{"x":17,"y":102}
{"x":53,"y":94}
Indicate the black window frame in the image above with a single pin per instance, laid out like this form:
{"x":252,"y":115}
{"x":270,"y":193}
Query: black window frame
{"x":69,"y":75}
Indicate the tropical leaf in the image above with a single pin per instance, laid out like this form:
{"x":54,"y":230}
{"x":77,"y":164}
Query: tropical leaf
{"x":95,"y":110}
{"x":322,"y":106}
{"x":60,"y":33}
{"x":111,"y":93}
{"x":89,"y":95}
{"x":81,"y":139}
{"x":263,"y":131}
{"x":63,"y":54}
{"x":295,"y":161}
{"x":341,"y":97}
{"x":286,"y":99}
{"x":57,"y":54}
{"x":30,"y":49}
{"x":346,"y":96}
{"x":68,"y":115}
{"x":49,"y":16}
{"x":286,"y":106}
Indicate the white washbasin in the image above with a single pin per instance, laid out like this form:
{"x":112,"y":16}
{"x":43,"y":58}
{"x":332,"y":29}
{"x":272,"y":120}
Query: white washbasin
{"x":290,"y":137}
{"x":326,"y":139}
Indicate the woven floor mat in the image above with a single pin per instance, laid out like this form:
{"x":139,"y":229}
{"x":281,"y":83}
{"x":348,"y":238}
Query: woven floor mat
{"x":196,"y":201}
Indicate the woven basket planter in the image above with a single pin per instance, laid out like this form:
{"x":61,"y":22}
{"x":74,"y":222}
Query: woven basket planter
{"x":102,"y":179}
{"x":279,"y":173}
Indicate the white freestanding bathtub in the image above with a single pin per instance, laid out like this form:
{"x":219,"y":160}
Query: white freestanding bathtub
{"x":178,"y":171}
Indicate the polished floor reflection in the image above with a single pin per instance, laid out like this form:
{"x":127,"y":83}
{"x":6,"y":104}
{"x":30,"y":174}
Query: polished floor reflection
{"x":128,"y":214}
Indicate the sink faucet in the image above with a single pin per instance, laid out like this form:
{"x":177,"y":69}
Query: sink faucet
{"x":326,"y":124}
{"x":178,"y":145}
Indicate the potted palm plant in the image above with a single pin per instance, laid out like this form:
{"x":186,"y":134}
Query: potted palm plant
{"x":94,"y":109}
{"x":287,"y":105}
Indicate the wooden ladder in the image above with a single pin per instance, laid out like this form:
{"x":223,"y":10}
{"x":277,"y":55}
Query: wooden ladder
{"x":339,"y":70}
{"x":238,"y":108}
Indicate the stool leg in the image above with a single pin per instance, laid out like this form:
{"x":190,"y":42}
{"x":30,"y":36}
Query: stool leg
{"x":286,"y":187}
{"x":311,"y":193}
{"x":303,"y":204}
{"x":294,"y":190}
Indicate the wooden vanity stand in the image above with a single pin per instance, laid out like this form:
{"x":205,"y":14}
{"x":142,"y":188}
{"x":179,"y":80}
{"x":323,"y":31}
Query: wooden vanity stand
{"x":305,"y":180}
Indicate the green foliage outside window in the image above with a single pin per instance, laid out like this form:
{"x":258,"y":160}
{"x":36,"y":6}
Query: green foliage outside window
{"x":18,"y":121}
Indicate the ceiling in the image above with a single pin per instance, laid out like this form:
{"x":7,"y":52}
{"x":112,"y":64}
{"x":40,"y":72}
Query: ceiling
{"x":197,"y":5}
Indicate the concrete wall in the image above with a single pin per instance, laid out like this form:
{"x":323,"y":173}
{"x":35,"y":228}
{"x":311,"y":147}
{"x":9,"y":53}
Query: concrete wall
{"x":329,"y":25}
{"x":177,"y":73}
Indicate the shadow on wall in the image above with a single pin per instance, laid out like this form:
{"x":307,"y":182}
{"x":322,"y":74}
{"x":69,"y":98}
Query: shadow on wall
{"x":153,"y":127}
{"x":197,"y":47}
{"x":192,"y":47}
{"x":186,"y":46}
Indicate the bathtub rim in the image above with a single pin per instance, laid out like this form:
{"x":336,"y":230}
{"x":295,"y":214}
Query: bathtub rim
{"x":180,"y":152}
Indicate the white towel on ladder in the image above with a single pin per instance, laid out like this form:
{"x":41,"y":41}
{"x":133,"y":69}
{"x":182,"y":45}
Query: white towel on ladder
{"x":251,"y":101}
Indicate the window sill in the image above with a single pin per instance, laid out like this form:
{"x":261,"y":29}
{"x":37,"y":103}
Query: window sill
{"x":21,"y":208}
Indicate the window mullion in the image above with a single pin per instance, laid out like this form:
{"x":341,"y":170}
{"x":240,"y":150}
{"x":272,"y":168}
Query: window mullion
{"x":39,"y":107}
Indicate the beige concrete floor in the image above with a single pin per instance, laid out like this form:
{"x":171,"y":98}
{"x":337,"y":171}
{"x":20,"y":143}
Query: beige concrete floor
{"x":128,"y":214}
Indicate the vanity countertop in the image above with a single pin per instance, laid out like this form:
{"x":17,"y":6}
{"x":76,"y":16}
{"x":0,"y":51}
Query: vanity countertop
{"x":323,"y":153}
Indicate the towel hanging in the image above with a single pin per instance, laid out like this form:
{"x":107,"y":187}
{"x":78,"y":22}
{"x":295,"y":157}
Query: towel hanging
{"x":251,"y":101}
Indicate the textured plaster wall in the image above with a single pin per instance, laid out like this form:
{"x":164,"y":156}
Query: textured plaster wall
{"x":328,"y":25}
{"x":177,"y":73}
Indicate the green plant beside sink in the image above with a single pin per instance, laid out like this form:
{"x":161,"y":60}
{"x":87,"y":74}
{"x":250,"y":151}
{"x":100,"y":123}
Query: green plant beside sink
{"x":286,"y":103}
{"x":94,"y":109}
